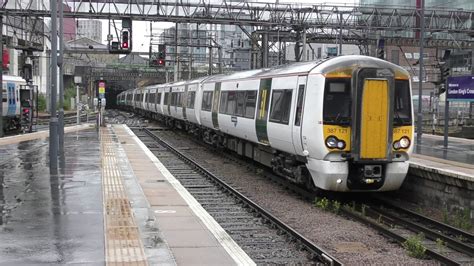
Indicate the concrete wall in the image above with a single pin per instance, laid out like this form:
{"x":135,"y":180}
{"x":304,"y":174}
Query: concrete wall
{"x":438,"y":191}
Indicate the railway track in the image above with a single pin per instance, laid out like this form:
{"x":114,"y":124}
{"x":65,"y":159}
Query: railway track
{"x":68,"y":119}
{"x":443,"y":242}
{"x":265,"y":238}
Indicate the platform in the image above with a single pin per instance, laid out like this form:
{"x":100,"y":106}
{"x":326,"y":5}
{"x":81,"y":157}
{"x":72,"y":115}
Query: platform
{"x":452,"y":165}
{"x":112,"y":203}
{"x":459,"y":149}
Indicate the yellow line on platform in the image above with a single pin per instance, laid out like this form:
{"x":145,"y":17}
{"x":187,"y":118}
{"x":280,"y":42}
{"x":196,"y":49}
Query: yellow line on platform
{"x":123,"y":245}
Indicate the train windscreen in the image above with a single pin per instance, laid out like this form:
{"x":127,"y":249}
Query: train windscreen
{"x":402,"y":101}
{"x":337,"y":102}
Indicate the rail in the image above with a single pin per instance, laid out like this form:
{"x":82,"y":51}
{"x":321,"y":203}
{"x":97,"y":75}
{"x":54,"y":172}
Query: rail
{"x":322,"y":255}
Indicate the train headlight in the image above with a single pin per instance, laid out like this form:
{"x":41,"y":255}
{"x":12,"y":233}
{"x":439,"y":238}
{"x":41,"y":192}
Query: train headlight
{"x":396,"y":145}
{"x":341,"y":144}
{"x":331,"y":142}
{"x":404,"y":142}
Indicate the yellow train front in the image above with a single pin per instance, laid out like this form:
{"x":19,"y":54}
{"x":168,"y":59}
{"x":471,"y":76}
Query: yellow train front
{"x":360,"y":135}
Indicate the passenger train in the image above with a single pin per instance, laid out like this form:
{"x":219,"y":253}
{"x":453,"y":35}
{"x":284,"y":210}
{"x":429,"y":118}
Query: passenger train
{"x":11,"y":102}
{"x":339,"y":124}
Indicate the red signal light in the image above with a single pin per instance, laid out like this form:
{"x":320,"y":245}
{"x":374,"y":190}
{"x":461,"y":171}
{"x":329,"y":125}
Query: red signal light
{"x":161,"y":62}
{"x":125,"y":39}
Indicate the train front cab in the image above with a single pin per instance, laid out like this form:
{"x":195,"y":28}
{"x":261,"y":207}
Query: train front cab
{"x":367,"y":128}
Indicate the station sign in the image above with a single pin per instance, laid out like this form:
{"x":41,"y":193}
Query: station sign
{"x":461,"y":88}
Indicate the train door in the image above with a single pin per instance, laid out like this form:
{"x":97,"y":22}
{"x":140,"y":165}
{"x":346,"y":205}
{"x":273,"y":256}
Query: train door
{"x":5,"y":99}
{"x":12,"y":99}
{"x":262,"y":110}
{"x":184,"y":101}
{"x":215,"y":105}
{"x":157,"y":99}
{"x":374,"y":108}
{"x":168,"y":100}
{"x":145,"y":100}
{"x":298,"y":121}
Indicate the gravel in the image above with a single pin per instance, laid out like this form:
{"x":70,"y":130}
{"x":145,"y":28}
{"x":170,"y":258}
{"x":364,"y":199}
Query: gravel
{"x":351,"y":242}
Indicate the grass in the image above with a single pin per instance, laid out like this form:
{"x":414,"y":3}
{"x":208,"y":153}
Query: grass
{"x":459,"y":218}
{"x":322,"y":203}
{"x":440,"y":244}
{"x":327,"y":205}
{"x":414,"y":246}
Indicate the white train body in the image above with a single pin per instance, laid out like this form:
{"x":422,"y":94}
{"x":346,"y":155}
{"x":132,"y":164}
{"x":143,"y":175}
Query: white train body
{"x":342,"y":124}
{"x":11,"y":106}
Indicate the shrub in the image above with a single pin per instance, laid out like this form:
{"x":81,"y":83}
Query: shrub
{"x":322,"y":203}
{"x":41,"y":102}
{"x":415,"y":247}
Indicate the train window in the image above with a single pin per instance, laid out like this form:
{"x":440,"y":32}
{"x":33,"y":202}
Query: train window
{"x":239,"y":111}
{"x":299,"y":105}
{"x":250,"y":101}
{"x":191,"y":96}
{"x":180,"y":102}
{"x":402,"y":108}
{"x":223,"y":104}
{"x":280,"y":107}
{"x":151,"y":98}
{"x":159,"y":98}
{"x":337,"y":87}
{"x":207,"y":100}
{"x":167,"y":98}
{"x":147,"y":96}
{"x":337,"y":101}
{"x":231,"y":102}
{"x":175,"y":98}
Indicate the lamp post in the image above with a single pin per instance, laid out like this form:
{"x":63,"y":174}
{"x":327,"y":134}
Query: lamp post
{"x":77,"y":81}
{"x":419,"y":130}
{"x":53,"y":122}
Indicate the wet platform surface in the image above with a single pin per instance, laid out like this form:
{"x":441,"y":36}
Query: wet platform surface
{"x":51,"y":219}
{"x":459,"y":150}
{"x":103,"y":208}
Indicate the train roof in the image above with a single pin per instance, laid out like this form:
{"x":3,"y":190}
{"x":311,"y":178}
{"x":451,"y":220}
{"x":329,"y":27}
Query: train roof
{"x":347,"y":62}
{"x":351,"y":62}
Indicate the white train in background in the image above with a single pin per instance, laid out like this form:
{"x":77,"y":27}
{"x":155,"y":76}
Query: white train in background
{"x":340,"y":124}
{"x":11,"y":111}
